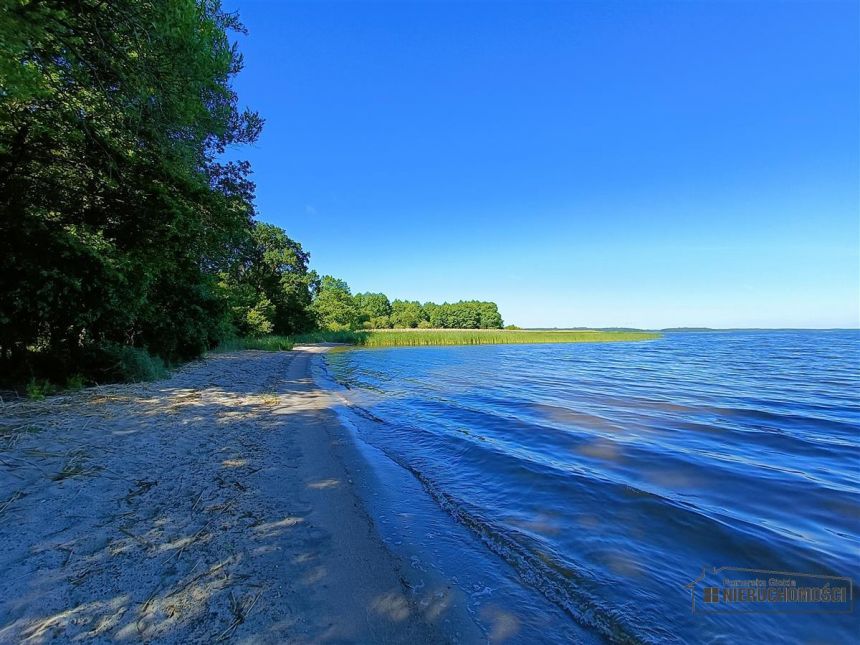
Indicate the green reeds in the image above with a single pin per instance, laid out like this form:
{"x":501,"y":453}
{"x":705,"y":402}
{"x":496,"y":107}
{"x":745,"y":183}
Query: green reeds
{"x":416,"y":337}
{"x":394,"y":337}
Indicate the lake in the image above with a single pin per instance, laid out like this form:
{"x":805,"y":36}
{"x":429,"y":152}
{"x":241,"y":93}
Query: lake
{"x":573,"y":491}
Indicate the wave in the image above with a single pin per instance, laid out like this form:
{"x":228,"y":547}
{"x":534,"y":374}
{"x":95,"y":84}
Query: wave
{"x":566,"y":585}
{"x":606,"y":488}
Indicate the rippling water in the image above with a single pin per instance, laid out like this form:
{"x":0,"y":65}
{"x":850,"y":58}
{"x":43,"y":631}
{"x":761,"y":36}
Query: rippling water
{"x":602,"y":478}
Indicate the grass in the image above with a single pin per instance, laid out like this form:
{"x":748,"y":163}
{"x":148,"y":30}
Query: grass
{"x":38,"y":389}
{"x":136,"y":365}
{"x":394,"y":337}
{"x":263,"y":343}
{"x":270,"y":399}
{"x":416,"y":337}
{"x":349,"y":337}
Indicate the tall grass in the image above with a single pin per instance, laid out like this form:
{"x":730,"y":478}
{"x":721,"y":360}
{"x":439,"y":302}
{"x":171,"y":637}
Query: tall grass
{"x":348,"y":337}
{"x":264,"y":343}
{"x":416,"y":337}
{"x":387,"y":338}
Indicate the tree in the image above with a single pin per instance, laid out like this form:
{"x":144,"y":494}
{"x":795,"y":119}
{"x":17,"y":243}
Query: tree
{"x":374,"y":310}
{"x":115,"y":214}
{"x":490,"y":318}
{"x":257,"y":320}
{"x":447,"y":316}
{"x":427,"y":310}
{"x":334,"y":307}
{"x":271,"y":269}
{"x":406,"y":313}
{"x":466,"y":314}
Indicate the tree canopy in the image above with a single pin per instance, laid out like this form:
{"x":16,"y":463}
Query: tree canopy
{"x":117,"y":213}
{"x":268,"y":287}
{"x":336,"y":309}
{"x":374,"y":310}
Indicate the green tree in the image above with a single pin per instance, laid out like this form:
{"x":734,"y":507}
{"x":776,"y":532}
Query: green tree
{"x":465,"y":314}
{"x":406,"y":313}
{"x":282,"y":267}
{"x":427,"y":310}
{"x":490,"y":318}
{"x":258,"y":319}
{"x":442,"y":317}
{"x":334,"y":307}
{"x":374,"y":310}
{"x":116,"y":214}
{"x":271,"y":268}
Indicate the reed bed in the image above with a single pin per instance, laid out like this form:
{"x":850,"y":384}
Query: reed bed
{"x":426,"y":337}
{"x":413,"y":337}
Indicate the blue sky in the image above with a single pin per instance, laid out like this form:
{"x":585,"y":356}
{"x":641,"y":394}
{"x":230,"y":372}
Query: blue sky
{"x":640,"y":164}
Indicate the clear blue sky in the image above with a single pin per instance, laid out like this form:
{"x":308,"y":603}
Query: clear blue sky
{"x":641,"y":164}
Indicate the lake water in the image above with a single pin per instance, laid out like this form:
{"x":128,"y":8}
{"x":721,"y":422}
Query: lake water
{"x":573,"y":491}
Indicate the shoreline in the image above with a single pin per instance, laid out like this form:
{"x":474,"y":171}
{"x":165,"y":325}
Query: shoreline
{"x":449,"y":563}
{"x":216,"y":504}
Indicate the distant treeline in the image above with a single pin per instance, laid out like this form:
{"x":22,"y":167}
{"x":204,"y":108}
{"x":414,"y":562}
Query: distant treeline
{"x":127,"y":241}
{"x":335,"y":308}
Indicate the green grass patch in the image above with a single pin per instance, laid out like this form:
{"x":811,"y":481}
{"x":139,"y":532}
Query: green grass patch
{"x":38,"y":389}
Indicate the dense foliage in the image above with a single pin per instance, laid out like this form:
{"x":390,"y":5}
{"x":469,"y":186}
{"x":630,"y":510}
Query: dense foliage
{"x":336,"y":309}
{"x":269,"y":287}
{"x":121,"y":226}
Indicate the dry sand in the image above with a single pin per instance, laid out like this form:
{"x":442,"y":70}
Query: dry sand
{"x":215,"y":505}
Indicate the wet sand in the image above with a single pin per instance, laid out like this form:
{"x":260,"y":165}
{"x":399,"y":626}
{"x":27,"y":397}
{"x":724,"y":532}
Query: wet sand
{"x":218,"y":504}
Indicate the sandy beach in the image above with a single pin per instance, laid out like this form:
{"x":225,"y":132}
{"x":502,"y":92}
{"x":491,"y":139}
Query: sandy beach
{"x":216,"y":505}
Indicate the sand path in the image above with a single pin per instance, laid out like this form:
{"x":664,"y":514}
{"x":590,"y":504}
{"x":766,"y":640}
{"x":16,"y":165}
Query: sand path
{"x":211,"y":506}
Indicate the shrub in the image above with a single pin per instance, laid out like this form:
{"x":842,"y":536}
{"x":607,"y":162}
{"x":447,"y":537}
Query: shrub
{"x":380,"y":322}
{"x":322,"y":336}
{"x":263,"y":343}
{"x":338,"y":327}
{"x":76,"y":382}
{"x":258,"y":319}
{"x":111,"y":362}
{"x":136,"y":365}
{"x":38,"y":389}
